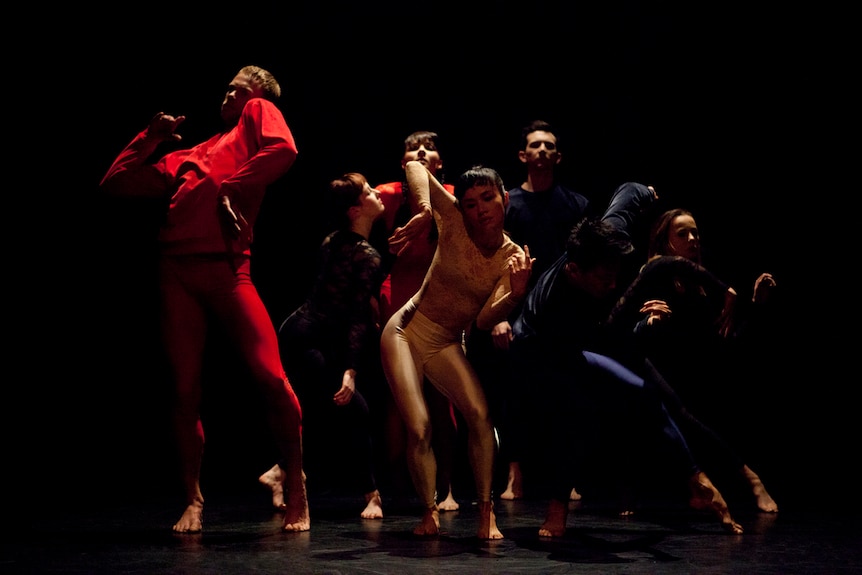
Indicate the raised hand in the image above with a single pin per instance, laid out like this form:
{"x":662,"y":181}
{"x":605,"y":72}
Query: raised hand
{"x":163,"y":127}
{"x":520,"y":268}
{"x":416,"y":227}
{"x":763,"y":287}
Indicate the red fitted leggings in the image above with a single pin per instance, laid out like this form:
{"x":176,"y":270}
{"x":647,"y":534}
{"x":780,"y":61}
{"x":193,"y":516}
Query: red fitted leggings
{"x":197,"y":292}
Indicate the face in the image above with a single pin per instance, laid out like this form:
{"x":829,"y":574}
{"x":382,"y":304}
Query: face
{"x":425,"y":153}
{"x":370,"y":203}
{"x":683,"y":238}
{"x":541,"y":151}
{"x":483,"y":208}
{"x":239,"y":91}
{"x":600,"y":282}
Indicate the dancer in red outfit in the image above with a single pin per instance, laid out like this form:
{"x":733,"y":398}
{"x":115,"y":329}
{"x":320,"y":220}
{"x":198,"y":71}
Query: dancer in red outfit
{"x":215,"y":191}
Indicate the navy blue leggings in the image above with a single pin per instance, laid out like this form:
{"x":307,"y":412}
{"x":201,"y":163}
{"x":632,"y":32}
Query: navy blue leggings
{"x":599,"y":406}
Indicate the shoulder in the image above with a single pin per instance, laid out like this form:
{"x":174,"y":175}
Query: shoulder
{"x":265,"y":117}
{"x":389,"y":188}
{"x":260,"y":106}
{"x":516,"y":195}
{"x":391,"y":194}
{"x":570,"y":193}
{"x":367,"y":253}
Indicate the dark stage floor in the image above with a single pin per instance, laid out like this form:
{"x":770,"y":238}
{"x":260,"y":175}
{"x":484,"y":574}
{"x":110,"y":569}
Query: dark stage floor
{"x":242,"y":535}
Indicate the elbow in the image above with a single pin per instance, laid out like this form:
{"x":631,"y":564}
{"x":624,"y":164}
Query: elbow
{"x":288,"y":155}
{"x":414,"y":166}
{"x":111,"y":186}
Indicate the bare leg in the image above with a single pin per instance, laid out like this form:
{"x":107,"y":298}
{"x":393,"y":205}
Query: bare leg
{"x":274,"y":479}
{"x":192,"y":518}
{"x":296,"y":517}
{"x":555,"y":519}
{"x":488,"y":521}
{"x":430,"y":524}
{"x":374,"y":507}
{"x":515,"y":486}
{"x":761,"y":496}
{"x":449,"y":504}
{"x":705,"y":496}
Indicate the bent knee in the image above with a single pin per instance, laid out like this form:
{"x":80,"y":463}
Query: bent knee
{"x":419,"y":436}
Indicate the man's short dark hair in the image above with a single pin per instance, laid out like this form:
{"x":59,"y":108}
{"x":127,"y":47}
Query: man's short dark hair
{"x":593,"y":242}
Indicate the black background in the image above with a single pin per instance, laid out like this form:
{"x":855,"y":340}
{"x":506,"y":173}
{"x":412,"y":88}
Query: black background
{"x":722,"y":108}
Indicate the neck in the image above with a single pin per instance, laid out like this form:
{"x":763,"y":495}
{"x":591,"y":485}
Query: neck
{"x":362,"y":227}
{"x":539,"y":181}
{"x":488,"y":243}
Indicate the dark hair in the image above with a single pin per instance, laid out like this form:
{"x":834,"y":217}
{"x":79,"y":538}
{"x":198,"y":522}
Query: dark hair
{"x":478,"y":175}
{"x":659,"y":236}
{"x":593,"y":242}
{"x":422,"y":137}
{"x":344,"y":193}
{"x":537,"y":126}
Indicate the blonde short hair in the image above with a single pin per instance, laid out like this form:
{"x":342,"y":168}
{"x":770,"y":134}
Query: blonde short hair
{"x":264,"y":80}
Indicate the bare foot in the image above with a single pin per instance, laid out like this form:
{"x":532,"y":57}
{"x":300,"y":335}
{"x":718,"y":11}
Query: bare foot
{"x":430,"y":524}
{"x":192,"y":519}
{"x":574,"y":495}
{"x":704,"y":495}
{"x":296,"y":517}
{"x":274,"y":479}
{"x":374,"y":507}
{"x":515,"y":487}
{"x":555,"y":519}
{"x":764,"y":500}
{"x":761,"y":496}
{"x":449,"y":504}
{"x":488,"y":521}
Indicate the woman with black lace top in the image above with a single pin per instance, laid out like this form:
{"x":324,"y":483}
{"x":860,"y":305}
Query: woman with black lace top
{"x":330,"y":343}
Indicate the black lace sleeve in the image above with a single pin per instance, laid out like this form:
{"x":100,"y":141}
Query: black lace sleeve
{"x":348,"y":282}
